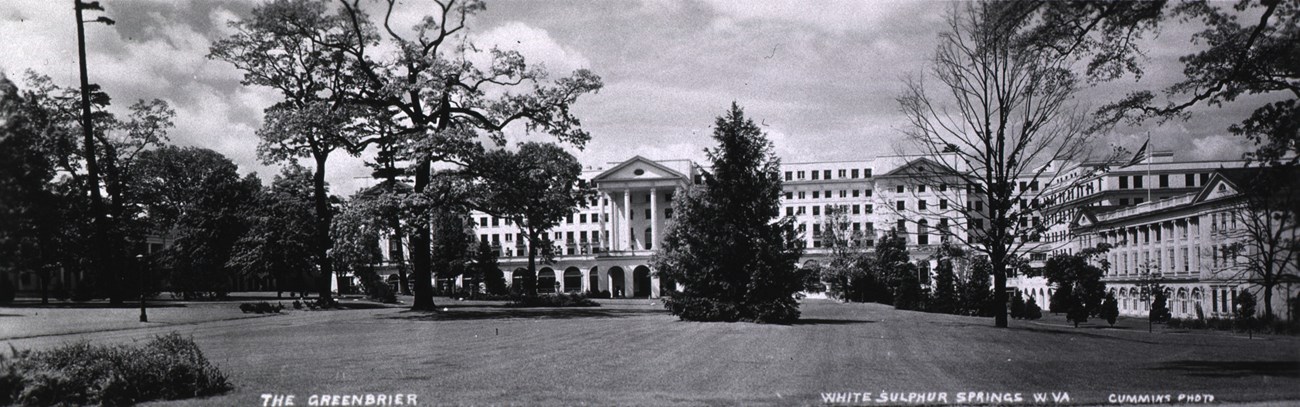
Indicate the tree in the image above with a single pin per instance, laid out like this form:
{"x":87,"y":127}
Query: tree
{"x":278,"y":49}
{"x":976,"y":296}
{"x":1017,"y":305}
{"x":989,"y":143}
{"x":728,"y":249}
{"x":453,"y":236}
{"x":1247,"y":58}
{"x":110,"y":219}
{"x":909,"y":295}
{"x":29,"y":205}
{"x":891,"y":264}
{"x":1079,"y":289}
{"x":439,"y":107}
{"x":1245,"y":312}
{"x":844,"y":275}
{"x":196,"y":197}
{"x":944,"y":297}
{"x":1110,"y":309}
{"x":374,"y":212}
{"x":485,"y":262}
{"x":1032,"y":310}
{"x":1268,"y":210}
{"x":277,"y":245}
{"x":536,"y":188}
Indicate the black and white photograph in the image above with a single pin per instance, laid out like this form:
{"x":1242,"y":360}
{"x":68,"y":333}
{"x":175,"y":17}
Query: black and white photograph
{"x":649,"y":202}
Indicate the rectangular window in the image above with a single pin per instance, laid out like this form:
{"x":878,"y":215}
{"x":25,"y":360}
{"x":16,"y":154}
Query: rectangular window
{"x":920,"y":204}
{"x":567,"y":219}
{"x":801,"y":195}
{"x":943,"y":187}
{"x":978,"y":223}
{"x":789,"y":211}
{"x":902,"y":226}
{"x":582,"y":218}
{"x":1123,"y":182}
{"x":789,"y":195}
{"x":844,"y":193}
{"x":817,"y":194}
{"x":1164,"y":180}
{"x":901,"y":205}
{"x":800,"y":211}
{"x":816,"y":175}
{"x":817,"y":210}
{"x":647,"y":214}
{"x":1137,"y":181}
{"x":1123,"y":202}
{"x":866,"y":193}
{"x":866,"y":173}
{"x":899,"y":189}
{"x":854,"y":173}
{"x":857,"y":209}
{"x":920,"y":188}
{"x":841,"y":173}
{"x":1189,"y":180}
{"x":482,"y":221}
{"x":826,"y":174}
{"x":868,"y":207}
{"x":857,"y":193}
{"x":789,"y":176}
{"x":1205,"y":178}
{"x":943,"y":204}
{"x":979,"y":206}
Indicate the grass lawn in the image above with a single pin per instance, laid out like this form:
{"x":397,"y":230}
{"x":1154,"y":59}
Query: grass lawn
{"x":632,"y":352}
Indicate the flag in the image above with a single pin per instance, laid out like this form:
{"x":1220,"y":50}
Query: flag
{"x":1141,"y":155}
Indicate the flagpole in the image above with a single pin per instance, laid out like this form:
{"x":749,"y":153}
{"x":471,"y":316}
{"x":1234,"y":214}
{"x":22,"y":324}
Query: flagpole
{"x":1149,"y":159}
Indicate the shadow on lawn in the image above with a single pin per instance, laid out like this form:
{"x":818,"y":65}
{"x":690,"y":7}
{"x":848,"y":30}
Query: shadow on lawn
{"x":475,"y":313}
{"x":1236,"y":368}
{"x":826,"y":321}
{"x":1080,"y":332}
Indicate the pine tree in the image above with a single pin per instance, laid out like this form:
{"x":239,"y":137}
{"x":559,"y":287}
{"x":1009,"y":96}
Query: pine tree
{"x":1160,"y":307}
{"x":1032,"y":310}
{"x":485,"y":261}
{"x":976,"y":294}
{"x":944,"y":298}
{"x":734,"y":262}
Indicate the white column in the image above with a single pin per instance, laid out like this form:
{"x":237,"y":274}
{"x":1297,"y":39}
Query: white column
{"x":627,"y":216}
{"x":614,"y":213}
{"x":654,"y":218}
{"x":600,"y":216}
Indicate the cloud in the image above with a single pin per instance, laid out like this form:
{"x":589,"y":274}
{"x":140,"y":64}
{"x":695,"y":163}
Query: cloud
{"x":535,"y":44}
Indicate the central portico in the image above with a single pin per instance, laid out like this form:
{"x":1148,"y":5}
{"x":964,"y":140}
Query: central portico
{"x":639,"y":193}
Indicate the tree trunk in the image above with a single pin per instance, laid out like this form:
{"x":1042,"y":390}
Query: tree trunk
{"x":532,"y":263}
{"x":420,"y":250}
{"x":323,"y":241}
{"x":403,"y":283}
{"x":1000,"y":291}
{"x":1268,"y":302}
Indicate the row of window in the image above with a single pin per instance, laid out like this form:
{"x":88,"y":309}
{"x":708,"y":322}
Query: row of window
{"x":844,"y":193}
{"x":1189,"y":180}
{"x":826,"y":174}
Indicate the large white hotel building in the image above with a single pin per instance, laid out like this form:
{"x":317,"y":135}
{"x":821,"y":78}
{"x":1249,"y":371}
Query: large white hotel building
{"x":1171,"y":217}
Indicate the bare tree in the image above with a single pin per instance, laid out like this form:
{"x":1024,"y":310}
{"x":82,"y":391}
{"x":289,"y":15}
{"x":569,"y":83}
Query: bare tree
{"x":1267,"y":211}
{"x":1003,"y":113}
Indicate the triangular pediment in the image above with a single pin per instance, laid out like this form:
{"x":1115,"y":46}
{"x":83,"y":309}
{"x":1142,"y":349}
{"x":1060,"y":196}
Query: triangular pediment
{"x":1218,"y":187}
{"x":639,"y":168}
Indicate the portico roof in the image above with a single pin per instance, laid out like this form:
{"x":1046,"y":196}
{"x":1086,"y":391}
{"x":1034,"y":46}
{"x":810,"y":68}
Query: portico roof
{"x":658,"y":172}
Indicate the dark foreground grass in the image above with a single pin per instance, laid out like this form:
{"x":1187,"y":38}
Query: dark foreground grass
{"x":633,"y":353}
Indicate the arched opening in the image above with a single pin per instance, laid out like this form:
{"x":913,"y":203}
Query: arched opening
{"x":641,"y":281}
{"x":616,"y":288}
{"x":593,"y":279}
{"x":923,"y":274}
{"x":572,"y":280}
{"x":546,"y":281}
{"x":1123,"y":299}
{"x":523,"y":281}
{"x":1182,"y":301}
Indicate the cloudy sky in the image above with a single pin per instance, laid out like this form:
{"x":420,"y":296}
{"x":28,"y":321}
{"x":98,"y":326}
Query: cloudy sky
{"x":820,"y":76}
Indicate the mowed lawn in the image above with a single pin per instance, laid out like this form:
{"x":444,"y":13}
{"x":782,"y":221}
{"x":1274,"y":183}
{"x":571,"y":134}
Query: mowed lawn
{"x":632,"y":352}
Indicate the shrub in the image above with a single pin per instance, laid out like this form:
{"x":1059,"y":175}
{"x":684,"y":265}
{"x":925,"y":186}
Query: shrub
{"x":1018,"y":305}
{"x":168,"y":367}
{"x":261,"y":308}
{"x":599,"y":294}
{"x":1032,"y":311}
{"x":1110,"y":309}
{"x":1159,"y":308}
{"x":703,"y":309}
{"x":7,"y":290}
{"x":553,"y":300}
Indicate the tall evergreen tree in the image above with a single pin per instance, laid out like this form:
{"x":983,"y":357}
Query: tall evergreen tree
{"x":485,"y":262}
{"x":975,"y":292}
{"x":1110,"y":309}
{"x":735,"y":261}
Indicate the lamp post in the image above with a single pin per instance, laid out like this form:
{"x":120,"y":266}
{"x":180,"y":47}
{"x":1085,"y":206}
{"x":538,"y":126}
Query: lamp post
{"x":144,"y":269}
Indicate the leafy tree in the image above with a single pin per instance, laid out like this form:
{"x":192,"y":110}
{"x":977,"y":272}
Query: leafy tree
{"x":1025,"y":52}
{"x":1247,"y":59}
{"x":196,"y":197}
{"x":536,"y":188}
{"x":844,"y":275}
{"x":277,"y":245}
{"x":908,"y":295}
{"x":110,"y":219}
{"x":891,"y":264}
{"x":437,"y":106}
{"x":29,"y":204}
{"x":278,"y":48}
{"x":944,"y":298}
{"x":366,"y":217}
{"x":735,"y":260}
{"x":453,"y":236}
{"x":976,"y":296}
{"x":1079,"y":289}
{"x":485,"y":262}
{"x":1110,"y":309}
